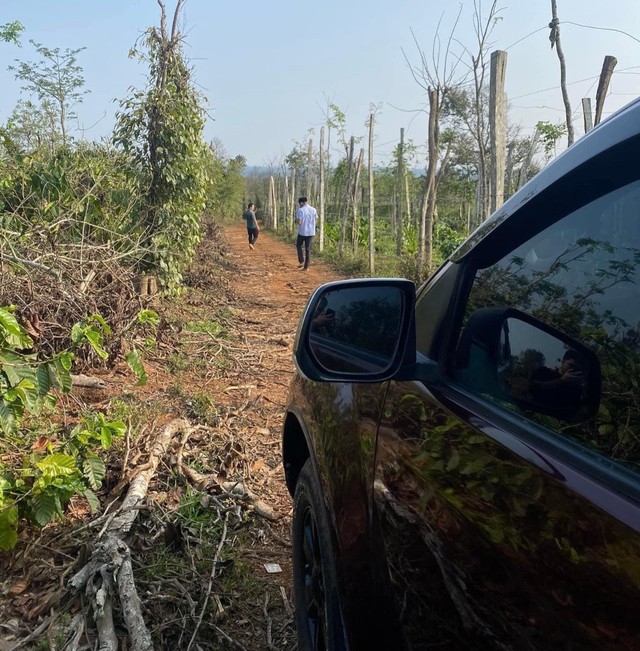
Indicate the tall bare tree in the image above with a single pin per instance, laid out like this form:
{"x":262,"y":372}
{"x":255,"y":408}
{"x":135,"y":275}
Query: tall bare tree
{"x":471,"y":107}
{"x":554,"y":37}
{"x":346,"y":199}
{"x":399,"y":190}
{"x":437,"y":76}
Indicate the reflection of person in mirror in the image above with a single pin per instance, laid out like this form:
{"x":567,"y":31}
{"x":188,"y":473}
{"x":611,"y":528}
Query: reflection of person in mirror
{"x":323,"y":317}
{"x":560,"y":391}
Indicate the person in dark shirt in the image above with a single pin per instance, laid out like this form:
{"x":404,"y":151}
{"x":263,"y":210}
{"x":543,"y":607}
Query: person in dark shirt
{"x":559,"y":392}
{"x":252,"y":224}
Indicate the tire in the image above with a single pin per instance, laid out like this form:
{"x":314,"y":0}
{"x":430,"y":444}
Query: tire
{"x":315,"y":586}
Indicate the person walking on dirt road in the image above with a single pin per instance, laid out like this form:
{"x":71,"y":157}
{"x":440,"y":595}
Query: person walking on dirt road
{"x":252,"y":224}
{"x":306,"y":217}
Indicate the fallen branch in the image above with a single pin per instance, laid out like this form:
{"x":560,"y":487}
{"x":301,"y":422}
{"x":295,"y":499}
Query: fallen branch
{"x":132,"y":606}
{"x":34,"y":635}
{"x":140,"y":484}
{"x":261,"y":508}
{"x":88,"y":382}
{"x":235,"y":488}
{"x":32,"y":265}
{"x":111,"y":561}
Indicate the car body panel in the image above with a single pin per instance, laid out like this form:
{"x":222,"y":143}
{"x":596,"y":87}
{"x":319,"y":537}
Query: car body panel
{"x":341,"y":422}
{"x":496,"y":519}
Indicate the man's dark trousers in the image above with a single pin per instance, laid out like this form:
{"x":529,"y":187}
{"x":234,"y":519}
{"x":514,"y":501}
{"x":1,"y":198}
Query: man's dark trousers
{"x":306,"y":240}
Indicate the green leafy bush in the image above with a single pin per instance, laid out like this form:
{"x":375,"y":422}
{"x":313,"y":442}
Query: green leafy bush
{"x":37,"y":480}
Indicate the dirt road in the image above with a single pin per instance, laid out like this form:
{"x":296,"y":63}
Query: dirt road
{"x":270,"y":292}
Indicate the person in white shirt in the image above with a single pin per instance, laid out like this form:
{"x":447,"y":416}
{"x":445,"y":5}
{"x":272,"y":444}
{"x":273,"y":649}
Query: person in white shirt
{"x":306,"y":217}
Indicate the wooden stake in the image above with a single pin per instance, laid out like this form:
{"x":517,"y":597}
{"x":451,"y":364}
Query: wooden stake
{"x":399,"y":188}
{"x":524,"y":170}
{"x":345,"y":202}
{"x":309,"y":172}
{"x":321,"y":170}
{"x":588,"y":116}
{"x":508,"y":178}
{"x":554,"y":37}
{"x":608,"y":65}
{"x":292,"y":214}
{"x":497,"y":128}
{"x":356,"y":202}
{"x":371,"y":199}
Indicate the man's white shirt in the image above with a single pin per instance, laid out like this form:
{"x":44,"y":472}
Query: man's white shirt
{"x":307,"y":216}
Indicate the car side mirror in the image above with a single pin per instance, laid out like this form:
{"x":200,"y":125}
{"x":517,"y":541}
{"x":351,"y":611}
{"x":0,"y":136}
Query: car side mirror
{"x":357,"y":331}
{"x":515,"y":358}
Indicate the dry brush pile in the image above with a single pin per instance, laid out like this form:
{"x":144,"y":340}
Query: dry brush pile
{"x":181,"y":491}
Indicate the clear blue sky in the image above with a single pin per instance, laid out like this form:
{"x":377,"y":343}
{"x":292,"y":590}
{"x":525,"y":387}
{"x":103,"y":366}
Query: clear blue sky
{"x":268,"y":67}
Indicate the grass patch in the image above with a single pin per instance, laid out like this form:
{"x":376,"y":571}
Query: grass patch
{"x":213,"y":328}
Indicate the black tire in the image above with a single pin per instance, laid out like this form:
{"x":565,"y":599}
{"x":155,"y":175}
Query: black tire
{"x":315,"y":586}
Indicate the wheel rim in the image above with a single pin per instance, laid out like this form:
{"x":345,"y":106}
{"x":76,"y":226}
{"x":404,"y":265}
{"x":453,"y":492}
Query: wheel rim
{"x":313,"y":580}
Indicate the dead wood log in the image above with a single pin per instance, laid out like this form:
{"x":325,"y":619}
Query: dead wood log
{"x":110,"y":563}
{"x":140,"y":483}
{"x":235,"y":488}
{"x":261,"y":508}
{"x":74,"y":633}
{"x":99,"y":593}
{"x":132,"y":606}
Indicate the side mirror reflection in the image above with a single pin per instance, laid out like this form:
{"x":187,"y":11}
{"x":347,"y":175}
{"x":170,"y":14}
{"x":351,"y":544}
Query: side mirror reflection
{"x":356,"y":329}
{"x":520,"y":360}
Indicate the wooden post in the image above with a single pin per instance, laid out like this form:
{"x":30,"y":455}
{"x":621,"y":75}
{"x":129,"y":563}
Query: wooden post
{"x":425,"y":230}
{"x":293,"y":204}
{"x":269,"y":219}
{"x":554,"y":37}
{"x":406,"y":189}
{"x":603,"y":85}
{"x":508,"y":178}
{"x":371,"y":200}
{"x":588,"y":116}
{"x":321,"y":172}
{"x":497,"y":128}
{"x":309,"y":172}
{"x":273,"y":210}
{"x":285,"y":203}
{"x":356,"y":202}
{"x":524,"y":170}
{"x":399,"y":188}
{"x":345,"y":201}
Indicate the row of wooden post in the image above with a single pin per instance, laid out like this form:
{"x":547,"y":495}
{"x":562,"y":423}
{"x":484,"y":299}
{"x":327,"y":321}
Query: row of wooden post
{"x":500,"y":174}
{"x":497,"y":124}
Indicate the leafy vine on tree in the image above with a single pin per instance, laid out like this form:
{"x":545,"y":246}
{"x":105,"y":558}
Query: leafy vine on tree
{"x":161,"y":128}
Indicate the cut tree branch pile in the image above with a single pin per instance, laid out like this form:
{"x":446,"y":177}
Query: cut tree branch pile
{"x":109,"y":573}
{"x":166,"y":503}
{"x":110,"y":563}
{"x":55,"y":287}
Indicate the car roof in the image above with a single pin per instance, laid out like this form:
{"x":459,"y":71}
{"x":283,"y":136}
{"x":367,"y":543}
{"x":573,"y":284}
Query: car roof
{"x":617,"y":128}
